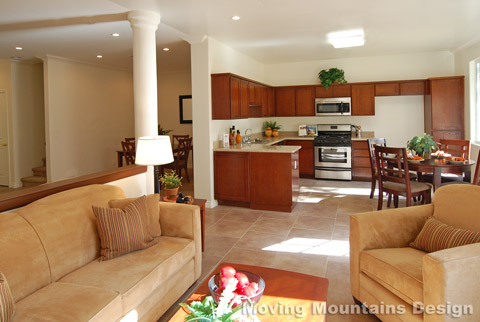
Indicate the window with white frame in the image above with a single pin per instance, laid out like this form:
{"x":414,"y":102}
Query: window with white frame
{"x":477,"y":101}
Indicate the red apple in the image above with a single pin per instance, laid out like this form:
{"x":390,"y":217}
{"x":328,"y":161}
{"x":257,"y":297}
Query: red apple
{"x":242,"y":280}
{"x":227,"y":271}
{"x":224,"y":281}
{"x":254,"y":285}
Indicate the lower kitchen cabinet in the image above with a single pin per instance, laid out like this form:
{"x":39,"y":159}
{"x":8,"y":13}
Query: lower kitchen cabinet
{"x":306,"y":168}
{"x":361,"y":170}
{"x":257,"y":180}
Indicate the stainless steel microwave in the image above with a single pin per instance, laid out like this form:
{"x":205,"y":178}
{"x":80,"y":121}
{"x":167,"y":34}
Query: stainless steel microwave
{"x":333,"y":106}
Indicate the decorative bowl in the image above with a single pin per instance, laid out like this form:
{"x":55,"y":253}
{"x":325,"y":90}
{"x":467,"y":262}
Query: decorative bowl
{"x":214,"y":282}
{"x":456,"y":162}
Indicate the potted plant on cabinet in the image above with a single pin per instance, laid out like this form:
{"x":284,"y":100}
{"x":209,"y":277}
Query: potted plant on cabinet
{"x":171,"y":181}
{"x":330,"y":76}
{"x":422,"y":145}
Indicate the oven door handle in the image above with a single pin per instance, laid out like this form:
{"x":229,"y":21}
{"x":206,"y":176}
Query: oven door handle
{"x":333,"y":169}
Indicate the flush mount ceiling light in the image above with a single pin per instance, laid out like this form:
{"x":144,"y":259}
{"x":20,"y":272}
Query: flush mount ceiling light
{"x":18,"y":48}
{"x":344,"y":39}
{"x":99,"y":56}
{"x":115,"y":34}
{"x":236,"y":18}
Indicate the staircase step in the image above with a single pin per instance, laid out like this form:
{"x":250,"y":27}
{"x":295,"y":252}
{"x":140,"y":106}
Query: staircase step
{"x":33,"y":181}
{"x":40,"y":171}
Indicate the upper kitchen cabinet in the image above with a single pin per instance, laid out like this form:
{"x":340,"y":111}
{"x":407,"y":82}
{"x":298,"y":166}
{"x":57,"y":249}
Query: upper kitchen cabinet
{"x":394,"y":88}
{"x":285,"y":101}
{"x":229,"y":97}
{"x":305,"y":101}
{"x":255,"y":94}
{"x":444,"y":107}
{"x":336,"y":90}
{"x":268,"y":102}
{"x":363,"y":99}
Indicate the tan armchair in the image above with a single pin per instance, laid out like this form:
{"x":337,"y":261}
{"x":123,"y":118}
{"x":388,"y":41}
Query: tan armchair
{"x":388,"y":275}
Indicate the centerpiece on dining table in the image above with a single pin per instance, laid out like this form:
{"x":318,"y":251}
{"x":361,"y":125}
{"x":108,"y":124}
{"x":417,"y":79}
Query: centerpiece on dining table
{"x":422,"y":146}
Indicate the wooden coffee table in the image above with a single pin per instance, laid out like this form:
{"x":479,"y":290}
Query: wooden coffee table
{"x":288,"y":295}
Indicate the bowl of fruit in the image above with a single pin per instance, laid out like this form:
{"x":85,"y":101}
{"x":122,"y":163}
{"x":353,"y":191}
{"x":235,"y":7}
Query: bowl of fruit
{"x":455,"y":160}
{"x":415,"y":159}
{"x":247,"y":287}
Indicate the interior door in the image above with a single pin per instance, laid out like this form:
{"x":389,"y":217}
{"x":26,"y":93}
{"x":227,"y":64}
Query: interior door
{"x":3,"y":140}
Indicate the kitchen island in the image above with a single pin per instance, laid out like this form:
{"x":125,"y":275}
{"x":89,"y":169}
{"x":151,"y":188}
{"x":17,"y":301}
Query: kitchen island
{"x":258,"y":176}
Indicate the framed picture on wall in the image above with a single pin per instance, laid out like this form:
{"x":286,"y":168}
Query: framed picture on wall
{"x":186,"y":112}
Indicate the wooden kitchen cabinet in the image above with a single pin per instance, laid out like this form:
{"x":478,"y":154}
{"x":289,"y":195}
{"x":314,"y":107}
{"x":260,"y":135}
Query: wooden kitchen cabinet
{"x":363,"y":99}
{"x":232,"y":177}
{"x":305,"y":155}
{"x":444,"y":107}
{"x":387,"y":89}
{"x":258,"y":180}
{"x":305,"y":101}
{"x":229,"y":97}
{"x":285,"y":101}
{"x":268,"y":106}
{"x":361,"y":170}
{"x":412,"y":87}
{"x":335,"y":90}
{"x":255,"y":94}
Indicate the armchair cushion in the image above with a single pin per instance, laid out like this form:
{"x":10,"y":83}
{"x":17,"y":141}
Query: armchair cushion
{"x":7,"y":304}
{"x":436,"y":235}
{"x":123,"y":231}
{"x":397,"y":269}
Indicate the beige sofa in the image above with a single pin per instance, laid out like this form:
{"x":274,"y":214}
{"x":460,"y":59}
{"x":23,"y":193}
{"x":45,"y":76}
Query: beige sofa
{"x":48,"y":252}
{"x":384,"y":270}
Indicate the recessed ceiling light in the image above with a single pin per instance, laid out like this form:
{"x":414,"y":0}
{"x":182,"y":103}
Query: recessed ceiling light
{"x":18,"y":48}
{"x":99,"y":56}
{"x":166,"y":49}
{"x":236,"y":18}
{"x":344,"y":39}
{"x":116,"y":34}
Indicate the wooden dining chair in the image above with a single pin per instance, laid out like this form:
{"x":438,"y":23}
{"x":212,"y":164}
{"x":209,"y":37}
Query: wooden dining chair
{"x":129,"y":152}
{"x":457,"y":148}
{"x":129,"y":139}
{"x":373,"y":166}
{"x":394,"y":177}
{"x":476,"y":176}
{"x":180,"y":157}
{"x":176,"y":139}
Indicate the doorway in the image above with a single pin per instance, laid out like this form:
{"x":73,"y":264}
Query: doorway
{"x":4,"y":169}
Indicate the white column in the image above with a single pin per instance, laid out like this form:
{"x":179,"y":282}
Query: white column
{"x":144,"y":25}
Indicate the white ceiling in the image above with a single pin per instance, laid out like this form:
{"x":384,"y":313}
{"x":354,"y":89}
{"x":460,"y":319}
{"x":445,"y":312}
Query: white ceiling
{"x":271,"y":31}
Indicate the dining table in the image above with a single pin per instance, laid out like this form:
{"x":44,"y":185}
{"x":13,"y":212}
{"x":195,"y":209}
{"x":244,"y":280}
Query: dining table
{"x":439,"y":166}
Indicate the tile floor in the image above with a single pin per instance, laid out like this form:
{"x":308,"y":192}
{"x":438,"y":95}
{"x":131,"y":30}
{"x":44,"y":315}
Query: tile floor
{"x":313,"y":239}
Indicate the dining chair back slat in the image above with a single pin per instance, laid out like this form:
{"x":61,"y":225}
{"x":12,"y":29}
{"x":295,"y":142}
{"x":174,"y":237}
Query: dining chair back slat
{"x":457,"y":148}
{"x":373,"y":165}
{"x":129,"y":152}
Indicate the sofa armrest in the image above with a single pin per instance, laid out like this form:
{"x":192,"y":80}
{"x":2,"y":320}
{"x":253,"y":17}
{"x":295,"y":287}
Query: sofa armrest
{"x":450,"y":277}
{"x":180,"y":220}
{"x":389,"y":228}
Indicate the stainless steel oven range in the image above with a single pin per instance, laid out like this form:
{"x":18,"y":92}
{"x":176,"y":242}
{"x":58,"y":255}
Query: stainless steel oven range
{"x":333,"y":152}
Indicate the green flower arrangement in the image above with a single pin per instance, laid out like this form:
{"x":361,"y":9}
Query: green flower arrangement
{"x":422,"y":145}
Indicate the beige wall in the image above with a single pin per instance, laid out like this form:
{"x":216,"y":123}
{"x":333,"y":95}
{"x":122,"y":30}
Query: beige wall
{"x":89,"y":110}
{"x":6,"y":85}
{"x":28,"y":118}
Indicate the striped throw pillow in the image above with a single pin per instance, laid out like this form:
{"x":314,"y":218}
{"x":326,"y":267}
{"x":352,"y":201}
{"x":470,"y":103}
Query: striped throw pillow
{"x":123,"y":231}
{"x":436,"y":235}
{"x":7,"y":304}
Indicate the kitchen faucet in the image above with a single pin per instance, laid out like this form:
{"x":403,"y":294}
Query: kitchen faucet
{"x":247,"y":138}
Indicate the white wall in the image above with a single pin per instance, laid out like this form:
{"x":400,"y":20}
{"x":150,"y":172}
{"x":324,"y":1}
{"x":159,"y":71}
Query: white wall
{"x":463,"y":58}
{"x":134,"y":186}
{"x":170,"y":86}
{"x":28,"y":118}
{"x":89,"y":110}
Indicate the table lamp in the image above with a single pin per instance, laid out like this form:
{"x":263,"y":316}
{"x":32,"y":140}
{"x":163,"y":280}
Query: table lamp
{"x":154,"y":150}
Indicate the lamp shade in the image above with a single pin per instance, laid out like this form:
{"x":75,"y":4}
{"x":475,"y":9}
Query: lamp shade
{"x":154,"y":150}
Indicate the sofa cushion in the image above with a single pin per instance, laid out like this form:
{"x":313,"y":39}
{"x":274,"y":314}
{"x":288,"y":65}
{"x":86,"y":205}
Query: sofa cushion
{"x":137,"y":274}
{"x":123,"y":231}
{"x":397,"y":269}
{"x":21,"y":255}
{"x":153,"y":211}
{"x":64,"y":302}
{"x":7,"y":304}
{"x":65,"y":224}
{"x":436,"y":235}
{"x":457,"y":205}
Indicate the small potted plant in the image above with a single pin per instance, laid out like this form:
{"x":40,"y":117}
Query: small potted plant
{"x":271,"y":128}
{"x":422,"y":145}
{"x":330,"y":76}
{"x":171,"y":181}
{"x":161,"y":131}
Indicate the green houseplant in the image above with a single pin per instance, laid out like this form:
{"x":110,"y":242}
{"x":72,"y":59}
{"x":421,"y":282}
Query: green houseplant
{"x":422,"y":145}
{"x":171,"y":181}
{"x":330,"y":76}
